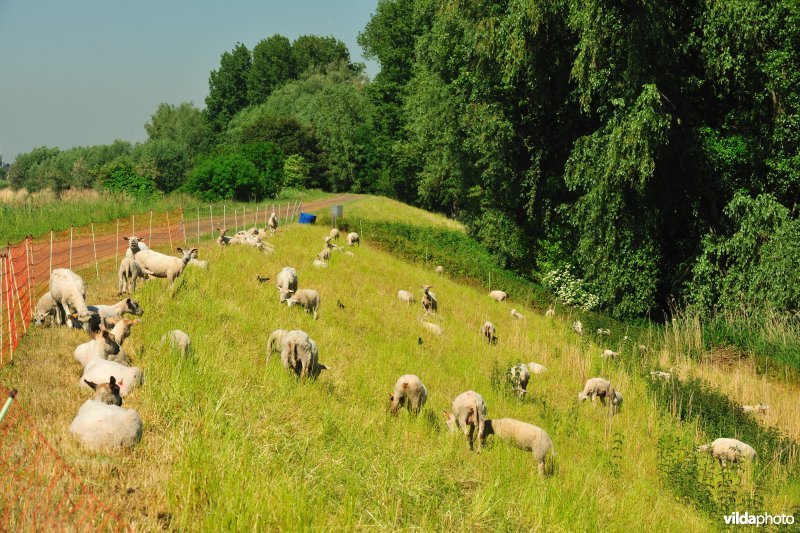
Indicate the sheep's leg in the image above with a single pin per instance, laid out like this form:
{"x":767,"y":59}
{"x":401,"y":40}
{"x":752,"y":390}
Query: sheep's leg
{"x":469,"y":430}
{"x":66,"y":310}
{"x":315,"y":313}
{"x":541,"y":468}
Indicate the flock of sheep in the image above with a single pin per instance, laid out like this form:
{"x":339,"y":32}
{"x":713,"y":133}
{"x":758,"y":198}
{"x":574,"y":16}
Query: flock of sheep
{"x":102,"y":422}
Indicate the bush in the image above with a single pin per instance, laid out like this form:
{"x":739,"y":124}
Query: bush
{"x":569,"y":289}
{"x":269,"y":160}
{"x":224,"y":177}
{"x":120,"y":176}
{"x":296,"y":172}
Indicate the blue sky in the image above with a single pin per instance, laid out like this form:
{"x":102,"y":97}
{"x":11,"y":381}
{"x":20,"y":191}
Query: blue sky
{"x":89,"y":71}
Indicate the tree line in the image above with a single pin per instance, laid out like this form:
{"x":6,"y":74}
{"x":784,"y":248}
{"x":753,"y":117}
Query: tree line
{"x":633,"y":155}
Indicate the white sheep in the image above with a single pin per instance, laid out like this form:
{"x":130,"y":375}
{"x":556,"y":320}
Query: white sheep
{"x":659,"y":374}
{"x":46,"y":310}
{"x":309,"y":299}
{"x":334,"y":234}
{"x":436,"y":329}
{"x":272,"y":223}
{"x":197,"y":263}
{"x":761,"y":408}
{"x":439,"y":269}
{"x":468,"y":413}
{"x":732,"y":450}
{"x":101,"y":371}
{"x":103,"y":346}
{"x":577,"y":327}
{"x":429,"y":301}
{"x":318,"y":263}
{"x":408,"y":391}
{"x":286,"y":281}
{"x":516,"y":314}
{"x":224,"y":240}
{"x":129,"y":271}
{"x":135,"y":244}
{"x":276,"y":342}
{"x":488,"y":332}
{"x":353,"y":238}
{"x":498,"y":296}
{"x":550,"y":313}
{"x":160,"y":265}
{"x":603,"y":389}
{"x":536,"y":368}
{"x":602,"y":331}
{"x":406,"y":296}
{"x":126,"y":306}
{"x":519,"y":376}
{"x":325,"y":254}
{"x":178,"y":340}
{"x":103,"y":423}
{"x":524,"y":435}
{"x":609,"y":354}
{"x":300,"y":355}
{"x":69,"y":292}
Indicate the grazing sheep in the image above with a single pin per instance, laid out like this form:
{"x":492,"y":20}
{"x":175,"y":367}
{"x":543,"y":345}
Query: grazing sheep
{"x":439,"y":269}
{"x":536,"y":368}
{"x":286,"y":281}
{"x":69,"y":292}
{"x":197,"y":263}
{"x":498,"y":296}
{"x":353,"y":238}
{"x":429,"y":301}
{"x":160,"y":265}
{"x":102,"y":346}
{"x":658,"y":374}
{"x":317,"y":263}
{"x":178,"y":340}
{"x":408,"y":391}
{"x":118,"y":309}
{"x":643,"y":348}
{"x":732,"y":450}
{"x":406,"y":296}
{"x":325,"y":254}
{"x":101,"y":371}
{"x":272,"y":223}
{"x":436,"y":329}
{"x":519,"y":376}
{"x":761,"y":408}
{"x":616,"y":401}
{"x":577,"y":327}
{"x":550,"y":313}
{"x":334,"y":234}
{"x":46,"y":310}
{"x":129,"y":271}
{"x":468,"y":413}
{"x":516,"y":314}
{"x":300,"y":355}
{"x":609,"y":354}
{"x":524,"y":435}
{"x":276,"y":342}
{"x":102,"y":422}
{"x":307,"y":298}
{"x":596,"y":388}
{"x":135,"y":244}
{"x":488,"y":331}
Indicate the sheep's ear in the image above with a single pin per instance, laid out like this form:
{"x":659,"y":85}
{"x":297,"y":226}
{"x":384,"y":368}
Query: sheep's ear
{"x":135,"y":321}
{"x":445,"y":413}
{"x":323,"y":367}
{"x":391,"y":396}
{"x":112,"y":320}
{"x":179,"y":249}
{"x":193,"y":250}
{"x":128,"y":301}
{"x":112,"y":381}
{"x":92,"y":384}
{"x":125,"y":238}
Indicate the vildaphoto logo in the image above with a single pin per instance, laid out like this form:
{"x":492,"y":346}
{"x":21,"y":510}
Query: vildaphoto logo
{"x":762,"y":519}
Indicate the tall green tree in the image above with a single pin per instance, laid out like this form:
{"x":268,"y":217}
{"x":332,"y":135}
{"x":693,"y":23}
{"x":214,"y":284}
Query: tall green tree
{"x":272,"y":66}
{"x":182,"y":124}
{"x":318,"y":52}
{"x":227,"y":88}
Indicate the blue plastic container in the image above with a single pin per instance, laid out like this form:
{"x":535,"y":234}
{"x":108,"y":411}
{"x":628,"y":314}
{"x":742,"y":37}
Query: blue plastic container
{"x":307,"y":218}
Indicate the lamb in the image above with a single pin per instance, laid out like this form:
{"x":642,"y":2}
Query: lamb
{"x":178,"y":340}
{"x":118,"y":309}
{"x":272,"y":223}
{"x":102,"y":346}
{"x":436,"y":329}
{"x":761,"y":408}
{"x":69,"y":291}
{"x":488,"y":331}
{"x":300,"y":355}
{"x":317,"y":263}
{"x":468,"y":413}
{"x":524,"y":435}
{"x":609,"y":354}
{"x":46,"y":310}
{"x":307,"y":298}
{"x":516,"y":314}
{"x":577,"y":327}
{"x":601,"y":388}
{"x":101,"y":371}
{"x":353,"y":238}
{"x":325,"y":254}
{"x":334,"y":234}
{"x":159,"y":265}
{"x":276,"y":342}
{"x":406,"y":296}
{"x":519,"y":376}
{"x":429,"y":301}
{"x":550,"y":313}
{"x":129,"y":271}
{"x":498,"y":296}
{"x":197,"y":263}
{"x":135,"y":244}
{"x":286,"y":281}
{"x":732,"y":450}
{"x":536,"y":368}
{"x":102,"y":422}
{"x":658,"y":374}
{"x":439,"y":269}
{"x":408,"y":391}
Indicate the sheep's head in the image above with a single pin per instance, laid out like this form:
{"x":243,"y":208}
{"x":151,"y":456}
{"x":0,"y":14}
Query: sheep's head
{"x":186,"y":255}
{"x":133,"y":307}
{"x":39,"y":318}
{"x":133,"y":243}
{"x":285,"y":295}
{"x":450,"y":421}
{"x":110,"y":344}
{"x":582,"y":396}
{"x":106,"y":392}
{"x":704,"y":448}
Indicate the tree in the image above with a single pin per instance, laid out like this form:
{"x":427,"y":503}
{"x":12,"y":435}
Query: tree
{"x":224,"y":177}
{"x":23,"y":172}
{"x":227,"y":88}
{"x":272,"y":67}
{"x":182,"y":124}
{"x":120,"y":176}
{"x":165,"y":161}
{"x":268,"y":158}
{"x":296,"y":172}
{"x":318,"y":52}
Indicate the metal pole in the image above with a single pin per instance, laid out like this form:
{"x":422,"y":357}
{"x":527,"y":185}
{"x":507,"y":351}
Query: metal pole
{"x":4,"y":411}
{"x":16,"y":289}
{"x":150,"y":235}
{"x":224,"y":217}
{"x":94,"y":245}
{"x":116,"y":246}
{"x":255,"y":223}
{"x":29,"y":259}
{"x":70,"y":246}
{"x":211,"y":210}
{"x":9,"y":310}
{"x":2,"y":262}
{"x":198,"y":223}
{"x":244,"y":218}
{"x":133,"y":224}
{"x":51,"y":251}
{"x":169,"y":230}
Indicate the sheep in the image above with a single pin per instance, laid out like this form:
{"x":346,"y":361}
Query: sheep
{"x":488,"y":331}
{"x":761,"y":408}
{"x":307,"y":298}
{"x":550,"y":313}
{"x":135,"y":244}
{"x":519,"y":376}
{"x":349,"y":254}
{"x":325,"y":254}
{"x":272,"y":223}
{"x":317,"y":263}
{"x":286,"y":281}
{"x":224,"y":240}
{"x":468,"y":413}
{"x":603,"y":389}
{"x":101,"y":371}
{"x":69,"y":291}
{"x":46,"y":310}
{"x":129,"y":271}
{"x":276,"y":342}
{"x":516,"y":314}
{"x":577,"y":327}
{"x":429,"y":301}
{"x":103,"y":346}
{"x":178,"y":340}
{"x":160,"y":265}
{"x":353,"y":238}
{"x":658,"y":374}
{"x":732,"y":450}
{"x":536,"y":368}
{"x":601,"y":331}
{"x":524,"y":435}
{"x":408,"y":391}
{"x":334,"y":234}
{"x":118,"y":309}
{"x":609,"y":354}
{"x":406,"y":296}
{"x":498,"y":296}
{"x":436,"y":329}
{"x":439,"y":269}
{"x":300,"y":355}
{"x":197,"y":263}
{"x":102,"y":422}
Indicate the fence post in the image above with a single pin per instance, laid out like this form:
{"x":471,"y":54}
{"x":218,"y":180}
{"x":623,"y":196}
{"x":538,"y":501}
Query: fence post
{"x":116,"y":246}
{"x":183,"y":227}
{"x":29,"y":262}
{"x":150,"y":235}
{"x":71,"y":228}
{"x":2,"y":262}
{"x":244,"y":218}
{"x":236,"y":218}
{"x":51,"y":251}
{"x":9,"y":308}
{"x":198,"y":224}
{"x":94,"y":246}
{"x":11,"y":396}
{"x":16,"y":289}
{"x":169,"y":230}
{"x":224,"y":217}
{"x":287,"y":213}
{"x":256,"y":218}
{"x":133,"y":224}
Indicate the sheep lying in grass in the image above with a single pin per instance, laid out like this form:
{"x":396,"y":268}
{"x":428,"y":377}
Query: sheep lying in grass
{"x":488,"y":332}
{"x":318,"y":263}
{"x":276,"y":342}
{"x":524,"y":435}
{"x":129,"y":271}
{"x":468,"y":413}
{"x":761,"y":408}
{"x":439,"y":269}
{"x":536,"y":368}
{"x":516,"y":314}
{"x":102,"y":346}
{"x":286,"y":281}
{"x":353,"y":238}
{"x":732,"y":450}
{"x":601,"y":388}
{"x":308,"y":299}
{"x":197,"y":263}
{"x":300,"y":355}
{"x":498,"y":296}
{"x":406,"y":296}
{"x":577,"y":327}
{"x":518,"y":376}
{"x":103,"y":423}
{"x":408,"y":391}
{"x":436,"y":329}
{"x":69,"y":292}
{"x":160,"y":265}
{"x":429,"y":301}
{"x":224,"y":240}
{"x":550,"y":313}
{"x":178,"y":340}
{"x":126,"y":306}
{"x":46,"y":310}
{"x":272,"y":223}
{"x":334,"y":234}
{"x":101,"y":371}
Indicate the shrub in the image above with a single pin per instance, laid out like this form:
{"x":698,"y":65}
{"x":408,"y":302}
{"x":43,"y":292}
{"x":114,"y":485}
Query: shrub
{"x":296,"y":172}
{"x":224,"y":177}
{"x":569,"y":289}
{"x":120,"y":176}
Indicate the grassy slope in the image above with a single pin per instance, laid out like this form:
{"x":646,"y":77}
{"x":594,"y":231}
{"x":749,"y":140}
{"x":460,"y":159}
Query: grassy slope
{"x":237,"y":444}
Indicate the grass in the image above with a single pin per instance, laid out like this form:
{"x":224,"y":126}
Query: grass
{"x":231,"y":443}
